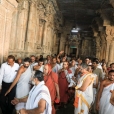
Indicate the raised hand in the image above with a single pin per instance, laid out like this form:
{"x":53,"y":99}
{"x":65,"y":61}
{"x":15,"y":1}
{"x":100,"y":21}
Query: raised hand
{"x":61,"y":52}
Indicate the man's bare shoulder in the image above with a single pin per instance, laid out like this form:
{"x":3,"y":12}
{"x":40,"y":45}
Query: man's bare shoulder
{"x":21,"y":69}
{"x":105,"y":82}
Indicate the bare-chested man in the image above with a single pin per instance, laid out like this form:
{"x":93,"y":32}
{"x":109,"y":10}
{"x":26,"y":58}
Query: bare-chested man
{"x":104,"y":95}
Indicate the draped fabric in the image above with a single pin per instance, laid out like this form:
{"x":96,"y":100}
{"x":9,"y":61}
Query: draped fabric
{"x":105,"y":106}
{"x":23,"y":87}
{"x":84,"y":99}
{"x":63,"y":87}
{"x":36,"y":94}
{"x":50,"y":79}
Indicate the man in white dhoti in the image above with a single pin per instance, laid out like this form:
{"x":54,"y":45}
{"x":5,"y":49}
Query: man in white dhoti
{"x":22,"y":80}
{"x":104,"y":104}
{"x":39,"y":100}
{"x":84,"y":92}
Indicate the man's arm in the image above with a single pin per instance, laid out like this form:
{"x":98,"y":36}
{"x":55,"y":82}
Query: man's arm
{"x":20,"y":71}
{"x":16,"y":101}
{"x":85,"y":84}
{"x":57,"y":90}
{"x":40,"y":109}
{"x":99,"y":94}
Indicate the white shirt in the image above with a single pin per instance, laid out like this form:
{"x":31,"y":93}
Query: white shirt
{"x":8,"y":73}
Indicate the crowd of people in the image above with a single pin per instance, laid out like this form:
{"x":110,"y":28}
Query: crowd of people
{"x":37,"y":85}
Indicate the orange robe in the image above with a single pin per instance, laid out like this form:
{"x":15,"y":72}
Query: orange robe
{"x":63,"y":87}
{"x":50,"y":81}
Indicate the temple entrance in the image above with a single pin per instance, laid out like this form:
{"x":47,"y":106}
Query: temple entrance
{"x":73,"y":51}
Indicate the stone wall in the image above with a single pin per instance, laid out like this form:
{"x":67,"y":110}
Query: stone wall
{"x":7,"y":8}
{"x":35,"y":27}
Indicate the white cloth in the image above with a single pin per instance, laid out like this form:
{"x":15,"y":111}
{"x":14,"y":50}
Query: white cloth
{"x":61,"y":65}
{"x":105,"y":106}
{"x":56,"y":68}
{"x":8,"y":73}
{"x":36,"y":94}
{"x":86,"y":95}
{"x":99,"y":66}
{"x":32,"y":65}
{"x":94,"y":89}
{"x":23,"y":87}
{"x":69,"y":78}
{"x":73,"y":69}
{"x":41,"y":68}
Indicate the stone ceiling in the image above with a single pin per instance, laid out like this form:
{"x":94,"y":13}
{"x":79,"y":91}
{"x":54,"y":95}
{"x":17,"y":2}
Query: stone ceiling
{"x":82,"y":12}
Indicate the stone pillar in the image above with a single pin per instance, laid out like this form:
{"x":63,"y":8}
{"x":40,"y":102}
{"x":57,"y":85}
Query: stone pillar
{"x":21,"y":28}
{"x":108,"y":47}
{"x":31,"y":29}
{"x":111,"y":53}
{"x":41,"y":30}
{"x":13,"y":30}
{"x":44,"y":34}
{"x":108,"y":41}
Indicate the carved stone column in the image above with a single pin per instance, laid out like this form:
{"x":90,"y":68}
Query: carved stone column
{"x":107,"y":49}
{"x":108,"y":39}
{"x":43,"y":43}
{"x":41,"y":31}
{"x":13,"y":30}
{"x":31,"y":29}
{"x":111,"y":53}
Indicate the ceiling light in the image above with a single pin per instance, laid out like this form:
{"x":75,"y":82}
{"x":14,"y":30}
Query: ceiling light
{"x":74,"y":30}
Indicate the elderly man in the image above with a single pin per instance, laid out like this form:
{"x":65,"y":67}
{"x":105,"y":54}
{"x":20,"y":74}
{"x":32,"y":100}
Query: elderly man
{"x":39,"y":100}
{"x":84,"y":92}
{"x":105,"y":100}
{"x":7,"y":75}
{"x":51,"y":81}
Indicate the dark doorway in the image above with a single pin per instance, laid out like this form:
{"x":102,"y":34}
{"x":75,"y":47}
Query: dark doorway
{"x":73,"y":51}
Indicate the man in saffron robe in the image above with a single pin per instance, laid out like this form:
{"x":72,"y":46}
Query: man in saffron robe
{"x":63,"y":83}
{"x":51,"y":81}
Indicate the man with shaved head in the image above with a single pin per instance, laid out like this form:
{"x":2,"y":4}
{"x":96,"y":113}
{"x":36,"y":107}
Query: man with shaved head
{"x":51,"y":81}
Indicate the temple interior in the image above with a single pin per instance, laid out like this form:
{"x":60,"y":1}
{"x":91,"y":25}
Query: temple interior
{"x":78,"y":27}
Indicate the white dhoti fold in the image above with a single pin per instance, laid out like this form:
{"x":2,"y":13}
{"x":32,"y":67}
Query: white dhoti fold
{"x":84,"y":98}
{"x":105,"y":106}
{"x":23,"y":88}
{"x":36,"y":94}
